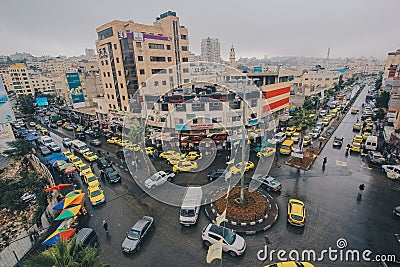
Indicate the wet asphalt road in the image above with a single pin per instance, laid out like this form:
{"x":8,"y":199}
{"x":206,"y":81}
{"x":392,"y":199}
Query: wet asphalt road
{"x":330,"y":196}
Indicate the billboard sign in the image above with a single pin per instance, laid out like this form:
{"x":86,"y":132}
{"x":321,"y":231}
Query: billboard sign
{"x":6,"y":112}
{"x":75,"y":87}
{"x":42,"y":101}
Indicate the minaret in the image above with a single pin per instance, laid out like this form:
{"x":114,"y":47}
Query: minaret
{"x":232,"y":58}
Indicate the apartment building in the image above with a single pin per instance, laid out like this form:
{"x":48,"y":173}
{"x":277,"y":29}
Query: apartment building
{"x":314,"y":82}
{"x":129,"y":53}
{"x":42,"y":84}
{"x":18,"y":80}
{"x":210,"y":50}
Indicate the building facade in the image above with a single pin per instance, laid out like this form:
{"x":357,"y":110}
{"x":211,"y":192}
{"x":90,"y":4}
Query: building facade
{"x":211,"y":50}
{"x":18,"y":80}
{"x":130,"y":53}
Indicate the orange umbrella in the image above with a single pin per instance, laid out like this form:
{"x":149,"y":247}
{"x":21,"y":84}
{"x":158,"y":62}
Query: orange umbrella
{"x":57,"y":187}
{"x":78,"y":199}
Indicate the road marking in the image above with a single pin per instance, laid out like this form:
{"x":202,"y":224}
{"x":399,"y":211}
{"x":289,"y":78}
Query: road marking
{"x":341,"y":163}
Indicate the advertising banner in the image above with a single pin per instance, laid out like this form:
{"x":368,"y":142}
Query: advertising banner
{"x":42,"y":101}
{"x":74,"y":84}
{"x":6,"y":112}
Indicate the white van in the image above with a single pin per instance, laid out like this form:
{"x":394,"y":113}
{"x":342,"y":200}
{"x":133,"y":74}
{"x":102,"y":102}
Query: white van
{"x":79,"y":146}
{"x":191,"y":205}
{"x":371,"y":143}
{"x":45,"y":140}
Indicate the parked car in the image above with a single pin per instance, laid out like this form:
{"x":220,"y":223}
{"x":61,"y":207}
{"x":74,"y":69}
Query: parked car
{"x":392,"y":171}
{"x":87,"y":237}
{"x":95,"y":142}
{"x":268,"y":182}
{"x":54,"y":147}
{"x":44,"y":150}
{"x":376,"y":158}
{"x":103,"y":163}
{"x":337,"y":141}
{"x":158,"y":179}
{"x":80,"y":135}
{"x":66,"y":142}
{"x":278,"y":138}
{"x":232,"y":243}
{"x":53,"y":125}
{"x":215,"y":174}
{"x":111,"y":175}
{"x":314,"y":133}
{"x":134,"y":238}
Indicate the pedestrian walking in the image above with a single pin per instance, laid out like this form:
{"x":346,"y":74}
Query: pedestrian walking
{"x":320,"y":144}
{"x":105,"y":226}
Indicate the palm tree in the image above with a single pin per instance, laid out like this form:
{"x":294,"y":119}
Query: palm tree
{"x":67,"y":254}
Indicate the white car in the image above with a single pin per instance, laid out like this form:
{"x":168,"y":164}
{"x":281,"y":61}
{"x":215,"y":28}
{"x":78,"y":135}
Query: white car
{"x":158,"y":179}
{"x":67,"y":142}
{"x":233,"y":243}
{"x":392,"y":171}
{"x":54,"y":147}
{"x":314,"y":133}
{"x":278,"y":138}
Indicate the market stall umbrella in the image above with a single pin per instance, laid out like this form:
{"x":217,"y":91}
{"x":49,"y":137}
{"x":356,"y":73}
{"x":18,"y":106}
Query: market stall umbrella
{"x":58,"y":187}
{"x":66,"y":166}
{"x":70,"y":199}
{"x":63,"y":234}
{"x":68,"y":213}
{"x":58,"y":163}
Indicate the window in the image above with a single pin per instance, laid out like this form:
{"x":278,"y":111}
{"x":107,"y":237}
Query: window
{"x":155,"y":71}
{"x":110,"y":105}
{"x":117,"y":60}
{"x":169,"y":70}
{"x":115,"y":46}
{"x":108,"y":96}
{"x":178,"y":121}
{"x":185,"y":59}
{"x":102,"y":63}
{"x":183,"y":36}
{"x":140,"y":58}
{"x":185,"y":70}
{"x":197,"y":106}
{"x":184,"y":48}
{"x":112,"y":96}
{"x":106,"y":62}
{"x":157,"y":59}
{"x":215,"y":106}
{"x":180,"y":107}
{"x":139,"y":45}
{"x":121,"y":85}
{"x":194,"y":121}
{"x":105,"y":33}
{"x":164,"y":82}
{"x":141,"y":71}
{"x":119,"y":73}
{"x":164,"y":107}
{"x":144,"y":84}
{"x":163,"y":119}
{"x":326,"y":79}
{"x":123,"y":98}
{"x":114,"y":107}
{"x":236,"y":118}
{"x":108,"y":73}
{"x":155,"y":83}
{"x":253,"y":103}
{"x":217,"y":120}
{"x":185,"y":80}
{"x":104,"y":74}
{"x":168,"y":47}
{"x":110,"y":85}
{"x":125,"y":108}
{"x":156,"y":46}
{"x":169,"y":59}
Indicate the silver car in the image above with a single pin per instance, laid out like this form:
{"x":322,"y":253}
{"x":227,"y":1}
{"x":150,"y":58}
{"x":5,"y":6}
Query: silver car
{"x":136,"y":234}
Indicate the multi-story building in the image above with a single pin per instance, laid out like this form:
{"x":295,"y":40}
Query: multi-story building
{"x":130,"y":53}
{"x":391,"y":66}
{"x":42,"y":84}
{"x":19,"y":80}
{"x":314,"y":82}
{"x":210,"y":50}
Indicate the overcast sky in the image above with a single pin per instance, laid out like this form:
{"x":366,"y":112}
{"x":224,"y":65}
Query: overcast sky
{"x":350,"y":28}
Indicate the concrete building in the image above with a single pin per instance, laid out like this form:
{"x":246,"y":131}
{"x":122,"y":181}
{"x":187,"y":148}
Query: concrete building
{"x":18,"y":80}
{"x":129,"y":53}
{"x":391,"y":66}
{"x":314,"y":82}
{"x":90,"y":52}
{"x":210,"y":50}
{"x":42,"y":84}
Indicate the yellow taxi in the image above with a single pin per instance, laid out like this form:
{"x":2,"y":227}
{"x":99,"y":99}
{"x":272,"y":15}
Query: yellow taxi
{"x":266,"y":152}
{"x":290,"y":131}
{"x":312,"y":116}
{"x":32,"y":124}
{"x":68,"y":154}
{"x":325,"y":121}
{"x":96,"y":195}
{"x":354,"y":110}
{"x":38,"y":126}
{"x":295,"y":137}
{"x":133,"y":147}
{"x":83,"y":169}
{"x":90,"y":156}
{"x":290,"y":264}
{"x":299,"y":128}
{"x":59,"y":122}
{"x":124,"y":143}
{"x":177,"y":158}
{"x":90,"y":179}
{"x":358,"y":139}
{"x":367,"y":128}
{"x":43,"y":131}
{"x":169,"y":154}
{"x":151,"y":150}
{"x":369,"y":119}
{"x":80,"y":128}
{"x":296,"y":212}
{"x":327,"y":116}
{"x":355,"y":147}
{"x":365,"y":135}
{"x":185,"y":166}
{"x":65,"y":124}
{"x":333,"y":114}
{"x":306,"y":140}
{"x":357,"y":127}
{"x":112,"y":140}
{"x":238,"y":167}
{"x":76,"y":161}
{"x":193,"y":155}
